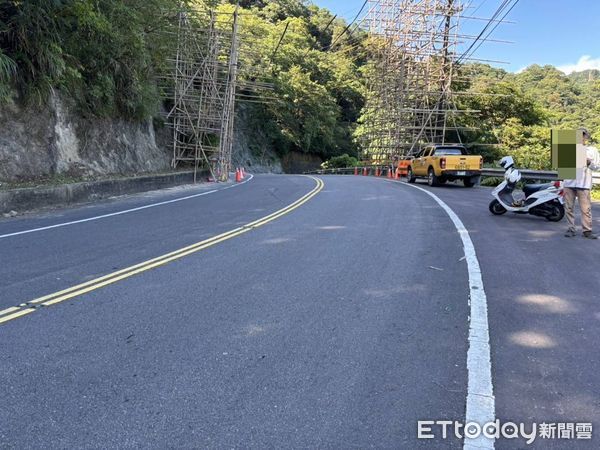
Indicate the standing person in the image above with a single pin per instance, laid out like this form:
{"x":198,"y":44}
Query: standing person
{"x":581,"y":188}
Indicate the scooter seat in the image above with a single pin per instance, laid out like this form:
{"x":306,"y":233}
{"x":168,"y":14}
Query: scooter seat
{"x":529,"y":189}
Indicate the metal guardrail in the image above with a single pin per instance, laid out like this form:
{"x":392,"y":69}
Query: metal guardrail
{"x":340,"y":171}
{"x":540,"y":175}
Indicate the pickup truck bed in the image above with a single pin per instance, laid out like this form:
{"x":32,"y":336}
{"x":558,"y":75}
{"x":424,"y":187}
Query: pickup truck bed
{"x":441,"y":163}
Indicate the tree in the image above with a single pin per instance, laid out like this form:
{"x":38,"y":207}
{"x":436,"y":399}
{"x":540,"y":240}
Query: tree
{"x":529,"y":145}
{"x":308,"y":113}
{"x":340,"y":161}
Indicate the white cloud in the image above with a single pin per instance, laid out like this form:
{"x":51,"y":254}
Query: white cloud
{"x":586,"y":62}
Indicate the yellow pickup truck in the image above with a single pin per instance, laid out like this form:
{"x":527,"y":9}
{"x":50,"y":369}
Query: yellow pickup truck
{"x":441,"y":163}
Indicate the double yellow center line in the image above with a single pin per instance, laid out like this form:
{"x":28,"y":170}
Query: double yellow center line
{"x":83,"y":288}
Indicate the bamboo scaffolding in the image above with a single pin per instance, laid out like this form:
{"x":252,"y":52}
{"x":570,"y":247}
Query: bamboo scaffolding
{"x":201,"y":91}
{"x":412,"y":65}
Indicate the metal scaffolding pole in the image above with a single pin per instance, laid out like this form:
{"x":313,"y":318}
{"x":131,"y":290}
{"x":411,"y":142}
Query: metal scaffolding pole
{"x":202,"y":91}
{"x":412,"y":52}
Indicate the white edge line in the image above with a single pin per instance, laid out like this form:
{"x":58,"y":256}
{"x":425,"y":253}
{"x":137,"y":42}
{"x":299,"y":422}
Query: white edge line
{"x":118,"y":213}
{"x":480,"y":392}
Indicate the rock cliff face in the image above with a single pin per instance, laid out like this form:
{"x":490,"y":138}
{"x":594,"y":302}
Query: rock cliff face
{"x":251,"y":147}
{"x":296,"y":162}
{"x":253,"y":150}
{"x":38,"y":142}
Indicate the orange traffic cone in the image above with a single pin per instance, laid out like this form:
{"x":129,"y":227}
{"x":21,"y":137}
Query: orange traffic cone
{"x":389,"y":174}
{"x":356,"y":171}
{"x":238,"y":176}
{"x":243,"y":173}
{"x":365,"y":171}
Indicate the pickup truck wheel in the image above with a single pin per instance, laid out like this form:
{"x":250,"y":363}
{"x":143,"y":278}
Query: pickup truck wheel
{"x":432,"y":180}
{"x":410,"y":178}
{"x":468,"y":182}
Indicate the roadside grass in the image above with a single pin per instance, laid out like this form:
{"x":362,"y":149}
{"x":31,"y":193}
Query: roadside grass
{"x":491,"y":181}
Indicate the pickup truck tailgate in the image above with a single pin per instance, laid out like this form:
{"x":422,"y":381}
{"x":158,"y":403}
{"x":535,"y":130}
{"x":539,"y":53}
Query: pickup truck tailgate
{"x":465,"y":162}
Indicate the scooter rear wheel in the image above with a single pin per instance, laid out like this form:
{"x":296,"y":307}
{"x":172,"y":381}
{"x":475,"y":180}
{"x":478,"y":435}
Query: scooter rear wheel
{"x":558,"y":212}
{"x":496,"y":208}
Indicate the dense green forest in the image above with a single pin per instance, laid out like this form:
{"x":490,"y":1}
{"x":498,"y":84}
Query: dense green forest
{"x":517,"y":118}
{"x":108,"y":54}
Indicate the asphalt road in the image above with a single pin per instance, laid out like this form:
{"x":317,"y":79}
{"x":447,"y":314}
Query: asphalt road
{"x":339,"y":324}
{"x":544,"y":312}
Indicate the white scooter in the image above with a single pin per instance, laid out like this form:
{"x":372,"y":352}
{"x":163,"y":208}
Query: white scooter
{"x":545,"y":200}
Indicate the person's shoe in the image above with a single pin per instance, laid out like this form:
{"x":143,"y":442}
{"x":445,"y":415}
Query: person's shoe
{"x":589,"y":235}
{"x":570,"y":233}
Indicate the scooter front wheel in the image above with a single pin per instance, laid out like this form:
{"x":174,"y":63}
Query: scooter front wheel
{"x":496,"y":208}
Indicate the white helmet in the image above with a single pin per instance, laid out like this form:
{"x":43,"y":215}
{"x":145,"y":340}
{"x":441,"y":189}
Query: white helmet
{"x":514,"y":176}
{"x":585,"y":133}
{"x":507,"y":162}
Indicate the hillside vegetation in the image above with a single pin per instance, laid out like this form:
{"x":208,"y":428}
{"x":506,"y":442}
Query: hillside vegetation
{"x":516,"y":118}
{"x":107,"y":54}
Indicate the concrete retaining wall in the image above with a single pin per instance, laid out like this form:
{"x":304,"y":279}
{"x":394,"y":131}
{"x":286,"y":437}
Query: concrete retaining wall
{"x":38,"y":197}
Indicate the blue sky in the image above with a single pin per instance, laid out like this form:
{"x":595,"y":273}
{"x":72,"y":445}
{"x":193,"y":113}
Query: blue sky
{"x":564,"y":33}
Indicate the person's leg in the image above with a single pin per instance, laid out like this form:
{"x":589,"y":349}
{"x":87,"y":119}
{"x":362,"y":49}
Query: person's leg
{"x":569,"y":195}
{"x":585,"y":204}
